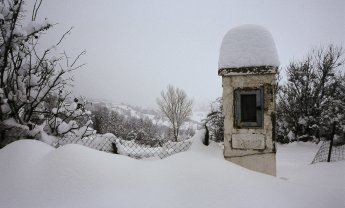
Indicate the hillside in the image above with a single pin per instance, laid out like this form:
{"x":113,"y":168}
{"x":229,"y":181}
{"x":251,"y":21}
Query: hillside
{"x":154,"y":115}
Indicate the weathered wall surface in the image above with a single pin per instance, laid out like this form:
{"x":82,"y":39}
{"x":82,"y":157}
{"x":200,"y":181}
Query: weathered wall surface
{"x":249,"y":146}
{"x":264,"y":163}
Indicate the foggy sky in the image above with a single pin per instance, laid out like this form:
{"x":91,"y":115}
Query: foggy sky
{"x":136,"y":48}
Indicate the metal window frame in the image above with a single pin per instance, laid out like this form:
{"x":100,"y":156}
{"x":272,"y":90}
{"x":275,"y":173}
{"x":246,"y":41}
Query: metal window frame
{"x":259,"y":92}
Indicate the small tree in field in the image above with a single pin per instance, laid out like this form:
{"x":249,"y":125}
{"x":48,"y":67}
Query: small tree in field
{"x":176,"y":107}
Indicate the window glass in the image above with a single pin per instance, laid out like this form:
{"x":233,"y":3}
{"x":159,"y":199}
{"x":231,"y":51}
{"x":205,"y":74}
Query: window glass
{"x":248,"y":108}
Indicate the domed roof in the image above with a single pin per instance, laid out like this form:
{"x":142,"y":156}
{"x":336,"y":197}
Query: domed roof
{"x":248,"y":46}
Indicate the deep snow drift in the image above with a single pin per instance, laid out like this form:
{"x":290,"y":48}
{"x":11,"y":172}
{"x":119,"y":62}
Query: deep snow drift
{"x":33,"y":174}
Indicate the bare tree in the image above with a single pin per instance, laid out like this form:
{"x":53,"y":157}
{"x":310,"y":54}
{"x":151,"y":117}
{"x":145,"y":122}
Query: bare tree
{"x":176,"y":107}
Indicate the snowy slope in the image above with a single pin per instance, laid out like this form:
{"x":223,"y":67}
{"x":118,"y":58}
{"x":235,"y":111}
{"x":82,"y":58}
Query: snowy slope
{"x":154,"y":115}
{"x":33,"y":174}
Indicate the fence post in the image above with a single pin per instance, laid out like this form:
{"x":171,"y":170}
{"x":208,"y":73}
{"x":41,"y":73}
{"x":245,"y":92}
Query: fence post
{"x":207,"y":136}
{"x":331,"y":142}
{"x":113,"y":144}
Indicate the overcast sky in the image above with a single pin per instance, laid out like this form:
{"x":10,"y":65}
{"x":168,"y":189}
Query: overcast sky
{"x":136,"y":48}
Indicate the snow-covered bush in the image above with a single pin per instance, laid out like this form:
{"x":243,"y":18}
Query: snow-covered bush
{"x":215,"y":121}
{"x":313,"y":97}
{"x":69,"y":119}
{"x":31,"y":77}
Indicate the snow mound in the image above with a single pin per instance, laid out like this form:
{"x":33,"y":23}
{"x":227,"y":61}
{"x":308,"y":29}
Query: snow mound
{"x":32,"y":174}
{"x":23,"y":150}
{"x":294,"y":165}
{"x":247,"y":46}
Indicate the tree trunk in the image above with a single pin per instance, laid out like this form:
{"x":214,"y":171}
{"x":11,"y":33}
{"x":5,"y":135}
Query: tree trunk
{"x":331,"y":142}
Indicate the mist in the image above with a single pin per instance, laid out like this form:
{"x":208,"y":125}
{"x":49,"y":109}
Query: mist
{"x":136,"y":48}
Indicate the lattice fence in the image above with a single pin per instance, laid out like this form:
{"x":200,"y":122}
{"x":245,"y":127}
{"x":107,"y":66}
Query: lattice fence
{"x":98,"y":142}
{"x":134,"y":149}
{"x":338,"y":153}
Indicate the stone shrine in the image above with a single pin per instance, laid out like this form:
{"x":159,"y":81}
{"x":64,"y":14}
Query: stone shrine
{"x":248,"y":64}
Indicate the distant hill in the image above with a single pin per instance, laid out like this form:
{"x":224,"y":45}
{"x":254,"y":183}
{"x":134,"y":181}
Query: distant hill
{"x":154,"y":115}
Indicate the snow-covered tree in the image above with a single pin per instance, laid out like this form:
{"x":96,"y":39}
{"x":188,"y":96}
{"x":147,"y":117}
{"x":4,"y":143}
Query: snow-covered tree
{"x":312,"y":97}
{"x":215,"y":121}
{"x":33,"y":78}
{"x":101,"y":119}
{"x":142,"y":130}
{"x":131,"y":135}
{"x":176,"y":107}
{"x":333,"y":112}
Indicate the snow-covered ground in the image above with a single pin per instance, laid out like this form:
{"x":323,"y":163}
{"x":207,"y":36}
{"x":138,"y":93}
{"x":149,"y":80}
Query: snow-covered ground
{"x":33,"y":174}
{"x":293,"y":165}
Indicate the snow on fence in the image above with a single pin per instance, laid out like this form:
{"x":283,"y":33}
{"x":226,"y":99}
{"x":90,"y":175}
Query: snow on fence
{"x":134,"y":149}
{"x":98,"y":142}
{"x":338,"y":153}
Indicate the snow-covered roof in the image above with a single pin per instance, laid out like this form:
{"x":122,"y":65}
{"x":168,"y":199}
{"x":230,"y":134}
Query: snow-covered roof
{"x":248,"y":46}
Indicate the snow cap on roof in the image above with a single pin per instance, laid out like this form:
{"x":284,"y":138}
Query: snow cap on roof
{"x":248,"y":46}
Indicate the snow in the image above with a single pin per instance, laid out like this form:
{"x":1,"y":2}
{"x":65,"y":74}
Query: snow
{"x":35,"y":26}
{"x":34,"y":80}
{"x":13,"y":122}
{"x":294,"y":165}
{"x":5,"y":108}
{"x":127,"y":110}
{"x":33,"y":174}
{"x":246,"y":46}
{"x":302,"y":121}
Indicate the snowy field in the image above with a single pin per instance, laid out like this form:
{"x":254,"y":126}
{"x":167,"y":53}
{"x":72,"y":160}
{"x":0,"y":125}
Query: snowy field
{"x":33,"y":174}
